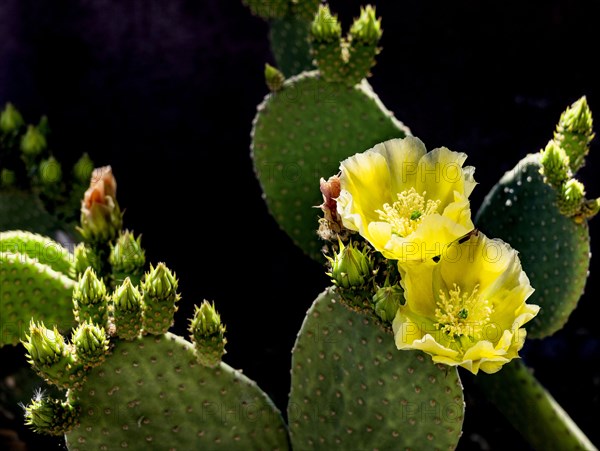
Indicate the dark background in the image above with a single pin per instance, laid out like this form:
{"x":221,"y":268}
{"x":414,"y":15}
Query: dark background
{"x":165,"y":92}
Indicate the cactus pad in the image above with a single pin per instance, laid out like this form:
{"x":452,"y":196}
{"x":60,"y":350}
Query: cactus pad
{"x":301,"y":133}
{"x":289,"y":44}
{"x":31,"y":289}
{"x":352,"y":389}
{"x":554,"y":250}
{"x":20,"y":210}
{"x":152,"y":391}
{"x":41,"y":248}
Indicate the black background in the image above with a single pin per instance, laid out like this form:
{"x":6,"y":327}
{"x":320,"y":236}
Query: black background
{"x":165,"y":92}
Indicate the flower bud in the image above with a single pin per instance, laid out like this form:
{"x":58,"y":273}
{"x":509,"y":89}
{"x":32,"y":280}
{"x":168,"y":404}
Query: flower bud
{"x":208,"y":334}
{"x":10,"y":119}
{"x":555,"y":164}
{"x":83,"y":169}
{"x":350,"y":267}
{"x":159,"y":289}
{"x":127,"y":310}
{"x":91,"y":344}
{"x":325,"y":27}
{"x":51,"y":358}
{"x":33,"y":142}
{"x":367,"y":28}
{"x":44,"y":346}
{"x":50,"y":416}
{"x":90,"y":299}
{"x":50,"y":171}
{"x":274,"y":78}
{"x":7,"y":178}
{"x":127,"y":257}
{"x":571,"y":197}
{"x":574,"y":132}
{"x":85,"y":257}
{"x":101,"y":218}
{"x":387,"y":300}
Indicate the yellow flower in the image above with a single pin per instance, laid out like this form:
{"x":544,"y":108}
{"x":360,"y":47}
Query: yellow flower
{"x":409,"y":204}
{"x":469,"y":308}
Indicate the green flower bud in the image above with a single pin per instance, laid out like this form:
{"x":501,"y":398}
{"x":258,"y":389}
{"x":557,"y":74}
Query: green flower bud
{"x":159,"y":297}
{"x":7,"y":178}
{"x":571,"y":197}
{"x":44,"y":346}
{"x":51,"y":357}
{"x":10,"y":119}
{"x":50,"y":171}
{"x":555,"y":164}
{"x":85,"y":258}
{"x":350,"y":267}
{"x":127,"y":297}
{"x":90,"y":299}
{"x":127,"y":257}
{"x":274,"y":78}
{"x":83,"y":169}
{"x":326,"y":27}
{"x":91,"y":344}
{"x":127,"y":310}
{"x":50,"y":416}
{"x":387,"y":300}
{"x":160,"y":283}
{"x":208,"y":334}
{"x":574,"y":132}
{"x":33,"y":142}
{"x":367,"y":28}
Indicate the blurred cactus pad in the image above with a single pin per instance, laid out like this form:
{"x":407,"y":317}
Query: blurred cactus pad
{"x":36,"y":192}
{"x":312,"y":121}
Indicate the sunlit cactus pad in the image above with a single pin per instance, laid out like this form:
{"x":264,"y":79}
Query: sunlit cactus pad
{"x":151,"y":393}
{"x":352,"y":389}
{"x":301,"y":133}
{"x":31,"y":289}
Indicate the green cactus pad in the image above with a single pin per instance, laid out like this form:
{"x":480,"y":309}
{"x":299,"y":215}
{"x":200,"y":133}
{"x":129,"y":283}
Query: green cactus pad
{"x":301,"y":133}
{"x":290,"y":46}
{"x":352,"y":389}
{"x":31,"y":289}
{"x":554,"y":250}
{"x":23,"y":211}
{"x":152,"y":392}
{"x":41,"y":248}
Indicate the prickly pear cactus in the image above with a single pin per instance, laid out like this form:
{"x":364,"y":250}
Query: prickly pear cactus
{"x":289,"y":22}
{"x":309,"y":123}
{"x":352,"y":389}
{"x":34,"y":282}
{"x":132,"y":385}
{"x":541,"y":210}
{"x":153,"y":391}
{"x":301,"y":133}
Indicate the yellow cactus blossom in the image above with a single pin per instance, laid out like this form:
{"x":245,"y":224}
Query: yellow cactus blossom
{"x":408,"y":203}
{"x":469,"y":308}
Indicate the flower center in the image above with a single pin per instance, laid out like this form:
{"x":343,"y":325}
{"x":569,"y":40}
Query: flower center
{"x":407,"y":212}
{"x":462,"y":313}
